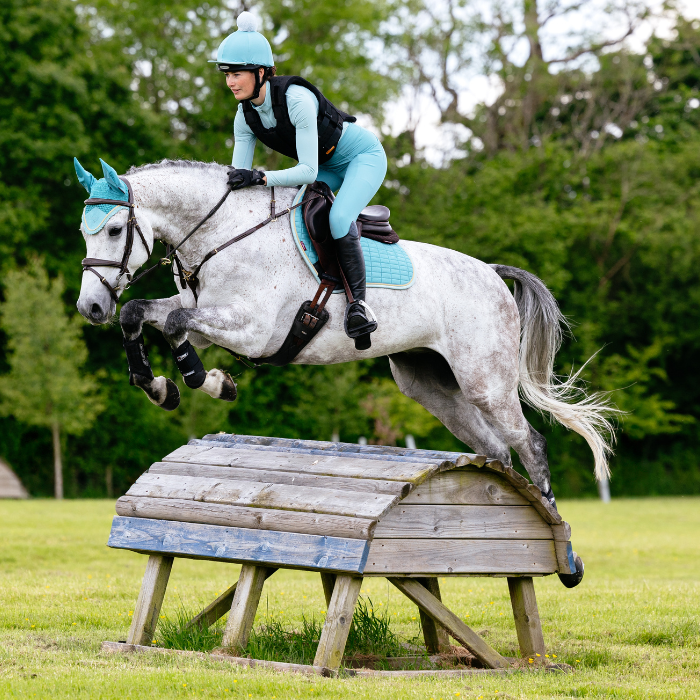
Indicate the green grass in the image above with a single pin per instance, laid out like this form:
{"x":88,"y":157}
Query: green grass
{"x":631,"y":629}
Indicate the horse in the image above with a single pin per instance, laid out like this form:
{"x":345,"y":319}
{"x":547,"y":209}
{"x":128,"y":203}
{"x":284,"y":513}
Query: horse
{"x":458,"y":341}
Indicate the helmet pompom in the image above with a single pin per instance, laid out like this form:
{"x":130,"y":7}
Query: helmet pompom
{"x":247,"y":22}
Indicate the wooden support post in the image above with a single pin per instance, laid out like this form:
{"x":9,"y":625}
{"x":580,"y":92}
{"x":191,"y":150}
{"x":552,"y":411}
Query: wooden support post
{"x":244,"y":606}
{"x":338,"y":620}
{"x":328,"y":581}
{"x":427,"y":602}
{"x":527,"y":617}
{"x":437,"y":641}
{"x":218,"y":608}
{"x":145,"y":617}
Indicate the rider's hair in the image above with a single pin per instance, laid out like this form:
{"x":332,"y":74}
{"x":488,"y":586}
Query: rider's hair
{"x":270,"y":72}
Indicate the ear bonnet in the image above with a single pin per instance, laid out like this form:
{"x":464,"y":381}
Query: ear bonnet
{"x":95,"y":216}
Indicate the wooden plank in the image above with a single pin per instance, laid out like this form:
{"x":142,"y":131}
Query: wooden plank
{"x":328,"y":583}
{"x":461,"y":557}
{"x":327,"y":465}
{"x":243,"y":608}
{"x":239,"y":516}
{"x":219,"y":607}
{"x":427,"y":602}
{"x":395,"y":488}
{"x":457,"y":521}
{"x":562,"y":547}
{"x":467,"y":486}
{"x":145,"y":617}
{"x":437,"y":640}
{"x":335,"y":447}
{"x":331,"y":646}
{"x":527,"y":617}
{"x":121,"y":648}
{"x":286,"y":549}
{"x":262,"y":495}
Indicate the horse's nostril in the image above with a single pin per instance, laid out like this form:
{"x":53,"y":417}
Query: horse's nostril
{"x":96,"y":310}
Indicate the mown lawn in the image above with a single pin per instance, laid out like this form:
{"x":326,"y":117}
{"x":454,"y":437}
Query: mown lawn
{"x":631,"y":629}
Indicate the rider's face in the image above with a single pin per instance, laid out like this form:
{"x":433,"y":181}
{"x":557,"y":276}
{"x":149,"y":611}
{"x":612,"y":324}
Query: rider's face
{"x":241,"y":83}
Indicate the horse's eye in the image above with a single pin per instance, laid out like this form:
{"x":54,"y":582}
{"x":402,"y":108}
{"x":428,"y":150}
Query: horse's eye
{"x":114,"y":230}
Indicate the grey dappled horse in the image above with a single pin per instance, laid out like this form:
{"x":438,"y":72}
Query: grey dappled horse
{"x":459,"y":343}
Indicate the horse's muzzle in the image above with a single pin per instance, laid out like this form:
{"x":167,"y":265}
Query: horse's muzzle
{"x":95,"y":312}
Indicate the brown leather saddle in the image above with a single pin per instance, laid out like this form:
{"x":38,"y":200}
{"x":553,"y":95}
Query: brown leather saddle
{"x":373,"y":222}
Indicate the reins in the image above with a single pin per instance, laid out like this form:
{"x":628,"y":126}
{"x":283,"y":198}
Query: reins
{"x":187,"y":278}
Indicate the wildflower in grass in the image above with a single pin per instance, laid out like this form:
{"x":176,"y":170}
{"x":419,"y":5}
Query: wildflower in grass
{"x":536,"y":654}
{"x":530,"y":661}
{"x":554,"y":656}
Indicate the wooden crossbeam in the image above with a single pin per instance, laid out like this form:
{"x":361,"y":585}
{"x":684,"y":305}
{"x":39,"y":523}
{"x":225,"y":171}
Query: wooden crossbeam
{"x":219,"y":607}
{"x":429,"y":604}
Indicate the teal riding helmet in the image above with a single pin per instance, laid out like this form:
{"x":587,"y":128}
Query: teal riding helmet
{"x":246,"y":48}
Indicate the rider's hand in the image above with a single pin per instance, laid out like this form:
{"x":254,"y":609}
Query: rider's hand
{"x":238,"y":178}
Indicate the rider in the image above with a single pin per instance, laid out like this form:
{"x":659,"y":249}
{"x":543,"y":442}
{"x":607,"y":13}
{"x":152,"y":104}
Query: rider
{"x":290,"y":115}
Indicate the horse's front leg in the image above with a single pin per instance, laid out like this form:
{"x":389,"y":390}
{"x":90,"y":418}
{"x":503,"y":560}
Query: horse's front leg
{"x":161,"y":391}
{"x":215,"y":324}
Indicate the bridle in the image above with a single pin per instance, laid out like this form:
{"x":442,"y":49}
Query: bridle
{"x":132,"y":224}
{"x":187,"y":278}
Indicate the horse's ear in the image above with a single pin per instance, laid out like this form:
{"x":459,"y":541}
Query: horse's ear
{"x":84,"y":177}
{"x":112,"y":178}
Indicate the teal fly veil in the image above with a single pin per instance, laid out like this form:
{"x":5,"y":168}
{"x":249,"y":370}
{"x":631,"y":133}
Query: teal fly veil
{"x":95,"y":216}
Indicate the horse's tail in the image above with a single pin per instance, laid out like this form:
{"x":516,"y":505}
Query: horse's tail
{"x":541,"y":324}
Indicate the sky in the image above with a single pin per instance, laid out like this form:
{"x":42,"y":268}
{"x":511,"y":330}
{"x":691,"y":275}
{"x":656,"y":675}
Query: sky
{"x":437,"y":140}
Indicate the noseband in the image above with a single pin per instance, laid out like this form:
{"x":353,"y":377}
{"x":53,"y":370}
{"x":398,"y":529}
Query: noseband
{"x":131,"y":224}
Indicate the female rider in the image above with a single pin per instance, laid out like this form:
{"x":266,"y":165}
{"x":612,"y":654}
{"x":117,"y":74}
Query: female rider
{"x":290,"y":115}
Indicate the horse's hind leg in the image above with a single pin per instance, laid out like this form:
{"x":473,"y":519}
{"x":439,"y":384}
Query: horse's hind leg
{"x":427,"y":378}
{"x":489,"y":429}
{"x":161,"y":391}
{"x":180,"y":324}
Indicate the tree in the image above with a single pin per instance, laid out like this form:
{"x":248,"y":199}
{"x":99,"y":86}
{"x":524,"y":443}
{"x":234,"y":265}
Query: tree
{"x":45,"y":385}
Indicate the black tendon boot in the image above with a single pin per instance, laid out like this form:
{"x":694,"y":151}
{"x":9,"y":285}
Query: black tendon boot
{"x":359,"y":321}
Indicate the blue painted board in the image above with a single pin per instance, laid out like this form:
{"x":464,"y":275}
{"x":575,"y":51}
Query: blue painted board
{"x":237,"y":544}
{"x":347,"y":448}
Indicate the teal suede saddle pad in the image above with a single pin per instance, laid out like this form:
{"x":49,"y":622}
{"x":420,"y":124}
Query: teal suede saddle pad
{"x":388,"y":265}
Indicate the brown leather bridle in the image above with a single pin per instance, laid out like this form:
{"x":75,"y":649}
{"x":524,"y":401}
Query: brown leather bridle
{"x":187,"y":278}
{"x":90,"y":264}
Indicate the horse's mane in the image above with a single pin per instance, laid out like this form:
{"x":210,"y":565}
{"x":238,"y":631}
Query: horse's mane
{"x":166,"y":163}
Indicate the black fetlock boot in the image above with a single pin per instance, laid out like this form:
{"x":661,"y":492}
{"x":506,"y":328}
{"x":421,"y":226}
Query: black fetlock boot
{"x":359,"y":320}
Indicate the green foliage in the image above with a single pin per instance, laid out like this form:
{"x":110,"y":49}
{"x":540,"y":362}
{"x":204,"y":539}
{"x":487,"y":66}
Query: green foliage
{"x":46,"y":384}
{"x":608,"y":219}
{"x":175,"y":633}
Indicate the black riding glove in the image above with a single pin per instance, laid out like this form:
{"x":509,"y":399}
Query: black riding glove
{"x":238,"y":178}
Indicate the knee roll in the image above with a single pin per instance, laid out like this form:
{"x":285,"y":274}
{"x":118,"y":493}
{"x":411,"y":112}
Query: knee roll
{"x":190,"y":365}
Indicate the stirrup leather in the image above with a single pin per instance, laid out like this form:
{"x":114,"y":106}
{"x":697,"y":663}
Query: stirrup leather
{"x":369,"y":327}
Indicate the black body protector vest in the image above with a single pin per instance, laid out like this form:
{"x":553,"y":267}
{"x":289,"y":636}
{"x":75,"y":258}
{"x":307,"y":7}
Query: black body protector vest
{"x":282,"y":138}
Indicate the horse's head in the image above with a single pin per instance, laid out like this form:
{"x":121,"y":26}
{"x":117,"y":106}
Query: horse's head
{"x":117,"y":244}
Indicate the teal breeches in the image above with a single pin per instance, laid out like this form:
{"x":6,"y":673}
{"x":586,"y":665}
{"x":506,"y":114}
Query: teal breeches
{"x":357,"y":171}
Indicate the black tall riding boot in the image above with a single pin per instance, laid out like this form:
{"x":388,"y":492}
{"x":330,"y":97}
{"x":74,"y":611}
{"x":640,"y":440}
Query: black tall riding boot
{"x":358,"y":324}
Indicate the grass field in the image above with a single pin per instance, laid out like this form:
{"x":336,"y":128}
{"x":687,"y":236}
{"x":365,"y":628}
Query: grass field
{"x":631,"y":629}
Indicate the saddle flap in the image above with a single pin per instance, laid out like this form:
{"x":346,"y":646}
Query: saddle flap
{"x":315,"y":210}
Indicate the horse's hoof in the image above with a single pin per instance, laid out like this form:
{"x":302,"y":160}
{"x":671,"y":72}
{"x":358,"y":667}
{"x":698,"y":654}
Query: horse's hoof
{"x":572,"y":580}
{"x":172,"y":396}
{"x":229,"y":392}
{"x":219,"y":385}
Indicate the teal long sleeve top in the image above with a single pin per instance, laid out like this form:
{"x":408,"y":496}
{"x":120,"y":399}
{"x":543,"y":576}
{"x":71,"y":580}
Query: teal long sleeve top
{"x":303,"y":112}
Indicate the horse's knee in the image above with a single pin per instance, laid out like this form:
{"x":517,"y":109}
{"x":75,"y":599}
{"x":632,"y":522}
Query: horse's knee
{"x":131,"y":318}
{"x":175,"y":328}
